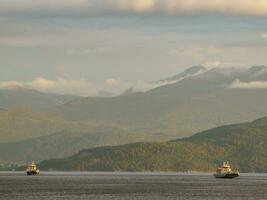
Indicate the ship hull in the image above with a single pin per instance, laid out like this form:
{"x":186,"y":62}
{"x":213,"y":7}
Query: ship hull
{"x":230,"y":175}
{"x":32,"y":173}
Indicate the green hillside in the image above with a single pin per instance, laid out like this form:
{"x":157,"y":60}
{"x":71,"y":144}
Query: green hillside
{"x":21,"y":124}
{"x":67,"y":142}
{"x":244,"y":145}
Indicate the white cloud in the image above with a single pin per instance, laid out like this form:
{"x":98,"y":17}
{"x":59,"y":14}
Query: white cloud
{"x":44,"y":84}
{"x":10,"y":84}
{"x":249,"y":85}
{"x":98,"y":7}
{"x":113,"y":82}
{"x":212,"y":64}
{"x":81,"y":87}
{"x":237,"y":7}
{"x":125,"y":5}
{"x":264,"y":35}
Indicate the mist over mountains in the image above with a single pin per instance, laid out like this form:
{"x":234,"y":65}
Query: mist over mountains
{"x":44,"y":126}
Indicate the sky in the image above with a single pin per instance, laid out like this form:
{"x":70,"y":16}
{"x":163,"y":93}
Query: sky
{"x":84,"y":47}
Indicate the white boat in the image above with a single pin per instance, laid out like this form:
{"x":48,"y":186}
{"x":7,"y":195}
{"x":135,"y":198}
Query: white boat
{"x":32,"y":169}
{"x":225,"y":171}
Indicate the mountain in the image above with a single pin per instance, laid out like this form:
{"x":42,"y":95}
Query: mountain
{"x":57,"y":145}
{"x":244,"y":145}
{"x":22,"y":124}
{"x":205,"y":100}
{"x":32,"y":99}
{"x":190,"y":105}
{"x":19,"y":124}
{"x":192,"y":71}
{"x":69,"y":139}
{"x":106,"y":94}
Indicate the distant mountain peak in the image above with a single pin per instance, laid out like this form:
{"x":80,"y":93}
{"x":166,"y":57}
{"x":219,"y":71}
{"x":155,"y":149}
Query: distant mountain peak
{"x":257,"y":68}
{"x":194,"y":69}
{"x":215,"y":77}
{"x":191,"y":71}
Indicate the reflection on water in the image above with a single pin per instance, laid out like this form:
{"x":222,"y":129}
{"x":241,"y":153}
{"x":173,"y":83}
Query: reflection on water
{"x":64,"y":185}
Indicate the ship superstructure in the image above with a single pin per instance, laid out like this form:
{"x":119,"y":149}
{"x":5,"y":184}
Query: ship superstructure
{"x":225,"y":171}
{"x":32,"y":169}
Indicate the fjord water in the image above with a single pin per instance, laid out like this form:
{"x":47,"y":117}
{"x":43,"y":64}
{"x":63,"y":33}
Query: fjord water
{"x":131,"y":186}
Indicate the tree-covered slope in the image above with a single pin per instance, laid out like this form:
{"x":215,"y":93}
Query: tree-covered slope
{"x":22,"y":124}
{"x":244,"y":145}
{"x":67,"y":142}
{"x":19,"y":124}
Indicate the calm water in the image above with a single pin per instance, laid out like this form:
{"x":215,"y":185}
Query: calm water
{"x":131,"y":186}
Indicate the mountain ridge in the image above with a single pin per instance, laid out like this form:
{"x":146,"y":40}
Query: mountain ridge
{"x":31,"y":99}
{"x":172,"y":111}
{"x":244,"y":145}
{"x":203,"y":95}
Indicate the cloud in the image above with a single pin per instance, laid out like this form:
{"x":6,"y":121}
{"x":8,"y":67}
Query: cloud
{"x":74,"y":39}
{"x":212,"y":64}
{"x":249,"y":85}
{"x":44,"y":84}
{"x":113,"y":82}
{"x":125,"y":5}
{"x":264,"y":35}
{"x":81,"y":87}
{"x":9,"y":6}
{"x":156,"y":7}
{"x":10,"y":84}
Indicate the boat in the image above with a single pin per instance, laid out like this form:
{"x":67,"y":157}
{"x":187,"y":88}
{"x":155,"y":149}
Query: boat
{"x":225,"y":171}
{"x":32,"y":169}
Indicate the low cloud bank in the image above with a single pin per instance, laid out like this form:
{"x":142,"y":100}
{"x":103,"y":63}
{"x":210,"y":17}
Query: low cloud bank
{"x":80,"y":87}
{"x":249,"y":85}
{"x":83,"y":87}
{"x":154,"y":7}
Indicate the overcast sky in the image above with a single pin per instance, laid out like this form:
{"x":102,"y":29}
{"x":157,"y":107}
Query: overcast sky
{"x":86,"y":46}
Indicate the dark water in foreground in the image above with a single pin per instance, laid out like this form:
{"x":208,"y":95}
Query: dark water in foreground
{"x":131,"y":186}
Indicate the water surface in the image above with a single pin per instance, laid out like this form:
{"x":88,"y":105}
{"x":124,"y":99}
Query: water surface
{"x":150,"y":186}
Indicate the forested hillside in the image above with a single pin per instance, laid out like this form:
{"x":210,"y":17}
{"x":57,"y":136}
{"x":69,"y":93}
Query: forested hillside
{"x":244,"y":145}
